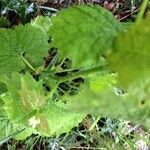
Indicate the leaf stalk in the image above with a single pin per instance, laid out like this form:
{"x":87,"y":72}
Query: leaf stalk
{"x":28,"y":64}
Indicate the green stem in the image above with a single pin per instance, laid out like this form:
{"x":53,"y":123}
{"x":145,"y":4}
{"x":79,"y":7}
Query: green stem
{"x":142,"y":10}
{"x":80,"y":73}
{"x":28,"y":64}
{"x":52,"y":92}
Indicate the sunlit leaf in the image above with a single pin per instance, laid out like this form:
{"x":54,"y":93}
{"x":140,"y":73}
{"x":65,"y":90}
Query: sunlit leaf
{"x":29,"y":109}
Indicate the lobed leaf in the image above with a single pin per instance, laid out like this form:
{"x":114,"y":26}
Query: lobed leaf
{"x":23,"y":41}
{"x":29,"y":109}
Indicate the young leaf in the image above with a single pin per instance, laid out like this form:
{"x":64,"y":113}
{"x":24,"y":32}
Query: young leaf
{"x":23,"y":41}
{"x":30,"y":110}
{"x":23,"y":100}
{"x":31,"y":93}
{"x":131,"y":56}
{"x":84,"y":33}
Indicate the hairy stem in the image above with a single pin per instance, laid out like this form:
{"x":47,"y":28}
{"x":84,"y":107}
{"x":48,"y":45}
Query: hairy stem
{"x":142,"y":10}
{"x":80,"y":73}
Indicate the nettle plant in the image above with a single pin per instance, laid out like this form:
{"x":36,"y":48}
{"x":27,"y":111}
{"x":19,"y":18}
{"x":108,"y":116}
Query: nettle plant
{"x":93,"y":65}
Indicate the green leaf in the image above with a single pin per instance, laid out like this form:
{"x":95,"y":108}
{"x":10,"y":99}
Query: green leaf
{"x":131,"y":56}
{"x":108,"y":104}
{"x":55,"y":120}
{"x":23,"y":100}
{"x":31,"y":94}
{"x":12,"y":84}
{"x":98,"y":83}
{"x":14,"y":108}
{"x":26,"y":41}
{"x":30,"y":110}
{"x":100,"y":96}
{"x":130,"y":59}
{"x":90,"y":97}
{"x":42,"y":23}
{"x":84,"y":33}
{"x":15,"y":102}
{"x":8,"y":131}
